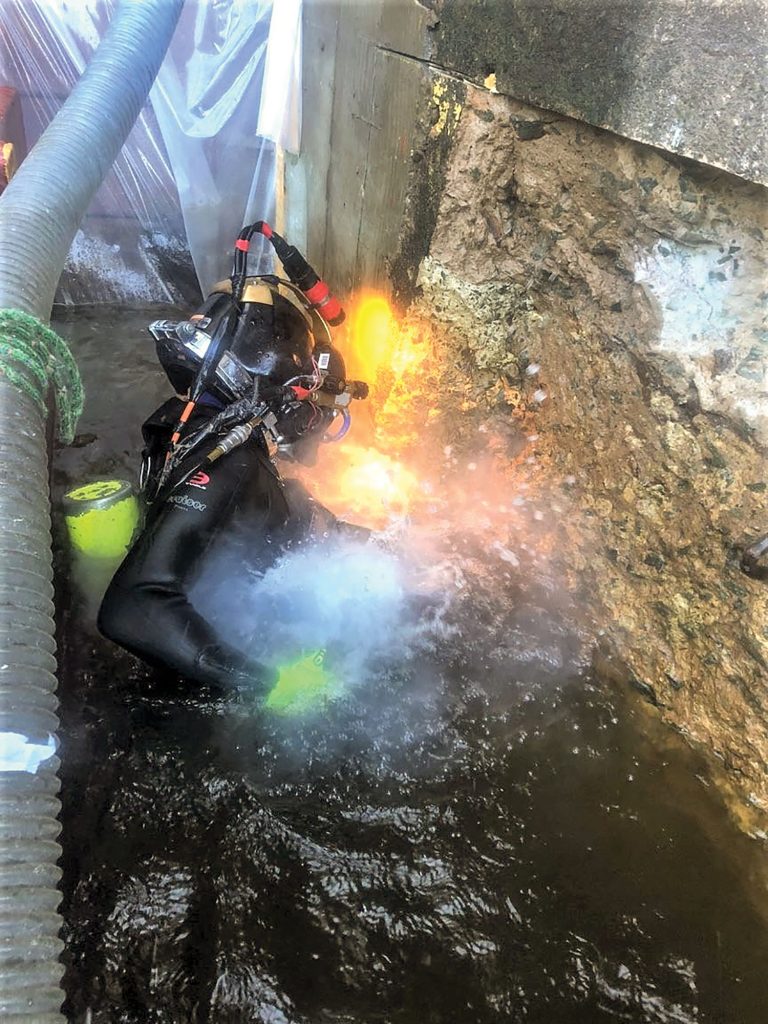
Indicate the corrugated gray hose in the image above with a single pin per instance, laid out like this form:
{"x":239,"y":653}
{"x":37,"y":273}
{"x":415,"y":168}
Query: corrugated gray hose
{"x":40,"y":212}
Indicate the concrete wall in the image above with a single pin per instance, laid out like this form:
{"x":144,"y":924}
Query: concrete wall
{"x":361,"y":104}
{"x":686,"y":76}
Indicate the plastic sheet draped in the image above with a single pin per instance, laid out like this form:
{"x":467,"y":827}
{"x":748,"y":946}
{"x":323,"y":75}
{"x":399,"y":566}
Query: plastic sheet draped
{"x":200,"y":160}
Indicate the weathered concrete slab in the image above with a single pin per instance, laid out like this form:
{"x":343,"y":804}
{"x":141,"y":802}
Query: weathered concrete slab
{"x":307,"y":179}
{"x":687,"y":76}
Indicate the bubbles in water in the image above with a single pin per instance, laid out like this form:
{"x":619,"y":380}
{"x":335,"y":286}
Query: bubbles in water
{"x":353,"y":601}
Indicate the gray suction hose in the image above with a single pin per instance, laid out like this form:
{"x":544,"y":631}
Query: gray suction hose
{"x":40,"y":212}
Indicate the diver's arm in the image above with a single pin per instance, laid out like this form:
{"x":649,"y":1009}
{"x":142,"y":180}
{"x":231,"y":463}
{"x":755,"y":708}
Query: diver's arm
{"x":160,"y":626}
{"x":147,"y":609}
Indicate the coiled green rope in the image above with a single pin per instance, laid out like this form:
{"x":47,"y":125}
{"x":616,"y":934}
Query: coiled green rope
{"x":32,"y":357}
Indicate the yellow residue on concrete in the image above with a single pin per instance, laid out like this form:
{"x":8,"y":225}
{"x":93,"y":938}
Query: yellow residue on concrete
{"x":448,"y":109}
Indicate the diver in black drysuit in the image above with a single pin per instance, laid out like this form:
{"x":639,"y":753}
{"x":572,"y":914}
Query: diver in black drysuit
{"x":241,"y":498}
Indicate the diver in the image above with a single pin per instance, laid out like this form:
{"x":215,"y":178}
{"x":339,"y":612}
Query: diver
{"x":256,"y":376}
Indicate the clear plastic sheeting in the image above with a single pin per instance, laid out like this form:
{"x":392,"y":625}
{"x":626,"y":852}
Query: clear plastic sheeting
{"x":200,"y":160}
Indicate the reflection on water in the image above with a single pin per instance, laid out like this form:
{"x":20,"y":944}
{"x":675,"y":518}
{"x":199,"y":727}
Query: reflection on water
{"x":476,"y":833}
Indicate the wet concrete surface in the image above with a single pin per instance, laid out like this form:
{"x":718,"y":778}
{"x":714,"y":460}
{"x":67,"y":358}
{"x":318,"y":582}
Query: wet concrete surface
{"x":476,"y":834}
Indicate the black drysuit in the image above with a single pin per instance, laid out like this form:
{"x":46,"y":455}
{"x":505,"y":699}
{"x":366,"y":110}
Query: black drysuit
{"x":147,"y":608}
{"x":240,"y":498}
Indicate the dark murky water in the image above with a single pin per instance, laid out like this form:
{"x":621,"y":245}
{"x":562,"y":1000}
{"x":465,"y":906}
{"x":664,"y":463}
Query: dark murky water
{"x":478,"y":834}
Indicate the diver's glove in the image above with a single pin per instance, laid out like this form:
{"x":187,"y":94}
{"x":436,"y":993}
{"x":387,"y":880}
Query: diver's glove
{"x":228,"y":670}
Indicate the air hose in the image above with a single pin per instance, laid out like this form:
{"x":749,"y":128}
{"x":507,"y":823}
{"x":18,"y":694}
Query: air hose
{"x":40,"y":211}
{"x":296,"y":266}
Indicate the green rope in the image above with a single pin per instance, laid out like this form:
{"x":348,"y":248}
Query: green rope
{"x":31,"y":357}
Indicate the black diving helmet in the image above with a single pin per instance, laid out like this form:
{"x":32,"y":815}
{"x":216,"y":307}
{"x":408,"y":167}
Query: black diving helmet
{"x":269,"y":334}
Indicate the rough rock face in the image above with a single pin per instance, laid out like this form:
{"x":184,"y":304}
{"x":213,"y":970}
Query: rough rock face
{"x":607,"y":297}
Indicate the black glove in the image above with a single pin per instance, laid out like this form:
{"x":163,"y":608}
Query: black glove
{"x":226,"y":669}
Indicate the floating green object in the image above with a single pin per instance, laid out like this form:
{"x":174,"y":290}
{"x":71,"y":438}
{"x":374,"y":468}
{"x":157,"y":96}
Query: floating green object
{"x":102,"y":518}
{"x":302,"y":685}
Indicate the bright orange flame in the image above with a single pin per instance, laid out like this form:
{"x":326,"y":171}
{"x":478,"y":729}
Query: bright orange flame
{"x":363,"y":485}
{"x":399,"y":458}
{"x":362,"y":478}
{"x":374,"y":333}
{"x":392,"y":358}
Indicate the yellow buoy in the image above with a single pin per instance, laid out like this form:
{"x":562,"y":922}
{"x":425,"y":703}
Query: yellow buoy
{"x":102,"y":518}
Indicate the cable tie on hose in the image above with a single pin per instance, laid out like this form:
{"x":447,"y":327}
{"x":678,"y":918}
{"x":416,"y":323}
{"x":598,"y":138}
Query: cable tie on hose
{"x":32,"y":357}
{"x":242,"y":245}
